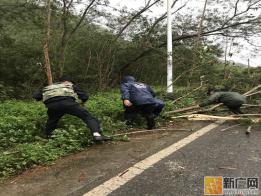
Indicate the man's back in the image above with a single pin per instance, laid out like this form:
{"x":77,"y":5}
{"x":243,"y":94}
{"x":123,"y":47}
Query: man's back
{"x":138,"y":93}
{"x":232,"y":98}
{"x":227,"y":98}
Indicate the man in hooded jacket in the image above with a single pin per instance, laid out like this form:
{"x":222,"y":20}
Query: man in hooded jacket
{"x":139,"y":98}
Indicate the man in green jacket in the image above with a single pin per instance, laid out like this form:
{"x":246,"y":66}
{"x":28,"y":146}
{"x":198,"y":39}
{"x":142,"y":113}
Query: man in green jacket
{"x":232,"y":100}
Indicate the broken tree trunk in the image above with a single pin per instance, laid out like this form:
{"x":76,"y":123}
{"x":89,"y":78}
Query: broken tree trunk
{"x":183,"y":109}
{"x":203,"y":111}
{"x":251,"y":94}
{"x":149,"y":131}
{"x":245,"y":106}
{"x":252,"y":90}
{"x":211,"y":117}
{"x":226,"y":109}
{"x":242,"y":115}
{"x":206,"y":117}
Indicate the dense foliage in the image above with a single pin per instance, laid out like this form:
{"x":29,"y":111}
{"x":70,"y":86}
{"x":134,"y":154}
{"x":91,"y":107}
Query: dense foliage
{"x":95,"y":56}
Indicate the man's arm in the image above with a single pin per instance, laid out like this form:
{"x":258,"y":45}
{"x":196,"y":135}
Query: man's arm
{"x":125,"y":92}
{"x":125,"y":95}
{"x":38,"y":96}
{"x":151,"y":91}
{"x":81,"y":94}
{"x":212,"y":99}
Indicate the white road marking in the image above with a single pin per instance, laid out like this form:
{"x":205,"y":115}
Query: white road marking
{"x":125,"y":176}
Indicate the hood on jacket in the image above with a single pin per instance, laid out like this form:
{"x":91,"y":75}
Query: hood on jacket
{"x":126,"y":79}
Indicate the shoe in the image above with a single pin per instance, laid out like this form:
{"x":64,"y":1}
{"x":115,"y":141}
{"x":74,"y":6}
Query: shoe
{"x":98,"y":137}
{"x":106,"y":138}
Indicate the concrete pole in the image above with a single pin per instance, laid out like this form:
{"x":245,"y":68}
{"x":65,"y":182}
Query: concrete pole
{"x":248,"y":67}
{"x":169,"y":49}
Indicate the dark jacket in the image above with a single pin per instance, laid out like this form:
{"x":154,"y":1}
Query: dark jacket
{"x":81,"y":95}
{"x":136,"y":92}
{"x":230,"y":99}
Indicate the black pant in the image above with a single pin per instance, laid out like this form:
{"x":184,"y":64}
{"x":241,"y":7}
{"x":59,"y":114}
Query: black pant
{"x":146,"y":111}
{"x":235,"y":109}
{"x":57,"y":109}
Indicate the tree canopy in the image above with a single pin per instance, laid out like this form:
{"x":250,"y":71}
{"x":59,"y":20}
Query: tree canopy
{"x":96,"y":43}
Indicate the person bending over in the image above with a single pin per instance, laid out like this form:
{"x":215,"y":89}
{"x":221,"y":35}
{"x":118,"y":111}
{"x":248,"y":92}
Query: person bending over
{"x":139,"y":98}
{"x":232,"y":100}
{"x":60,"y":99}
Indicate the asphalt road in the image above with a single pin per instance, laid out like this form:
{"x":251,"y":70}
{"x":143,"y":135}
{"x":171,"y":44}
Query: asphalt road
{"x":228,"y":153}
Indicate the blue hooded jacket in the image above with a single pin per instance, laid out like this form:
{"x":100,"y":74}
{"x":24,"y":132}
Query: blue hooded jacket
{"x":136,"y":92}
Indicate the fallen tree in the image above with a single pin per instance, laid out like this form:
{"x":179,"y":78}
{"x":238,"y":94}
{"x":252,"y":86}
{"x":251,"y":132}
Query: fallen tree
{"x":149,"y":131}
{"x":252,"y":117}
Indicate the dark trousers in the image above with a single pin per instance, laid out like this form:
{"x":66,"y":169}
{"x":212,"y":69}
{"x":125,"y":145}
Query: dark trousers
{"x":149,"y":111}
{"x":235,"y":109}
{"x":57,"y":109}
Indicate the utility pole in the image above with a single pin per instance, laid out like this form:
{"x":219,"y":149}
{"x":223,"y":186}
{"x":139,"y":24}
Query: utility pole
{"x":225,"y":66}
{"x":248,"y":67}
{"x":169,"y":50}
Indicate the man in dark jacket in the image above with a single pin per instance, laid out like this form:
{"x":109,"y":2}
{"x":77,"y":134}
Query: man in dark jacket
{"x":60,"y":99}
{"x":232,"y":100}
{"x":139,"y":98}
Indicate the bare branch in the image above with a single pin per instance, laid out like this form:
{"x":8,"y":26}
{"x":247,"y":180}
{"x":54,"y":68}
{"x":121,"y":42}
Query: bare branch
{"x":235,"y":10}
{"x":182,"y":37}
{"x":163,"y":16}
{"x":201,"y":21}
{"x":251,"y":43}
{"x":69,"y":5}
{"x":135,"y":16}
{"x":240,"y":13}
{"x":82,"y":17}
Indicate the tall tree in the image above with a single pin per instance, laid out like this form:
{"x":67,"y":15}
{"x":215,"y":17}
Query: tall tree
{"x":67,"y":33}
{"x":46,"y":45}
{"x":236,"y":21}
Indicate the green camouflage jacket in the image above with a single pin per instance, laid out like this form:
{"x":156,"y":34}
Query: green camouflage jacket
{"x":229,"y":99}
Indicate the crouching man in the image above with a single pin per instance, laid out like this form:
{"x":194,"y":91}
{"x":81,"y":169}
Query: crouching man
{"x":139,"y":98}
{"x":60,"y":99}
{"x":232,"y":100}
